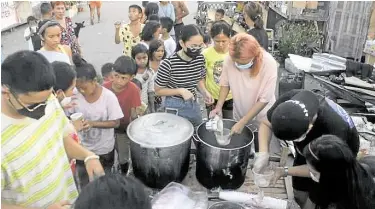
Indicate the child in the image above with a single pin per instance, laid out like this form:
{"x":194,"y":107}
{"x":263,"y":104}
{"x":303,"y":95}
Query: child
{"x":113,"y":191}
{"x":141,"y":109}
{"x":144,"y":75}
{"x":46,"y":11}
{"x":129,"y":33}
{"x":169,"y":42}
{"x":107,"y":72}
{"x":31,"y":34}
{"x":219,"y":15}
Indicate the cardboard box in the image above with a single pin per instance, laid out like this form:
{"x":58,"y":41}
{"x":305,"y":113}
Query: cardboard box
{"x":299,"y":4}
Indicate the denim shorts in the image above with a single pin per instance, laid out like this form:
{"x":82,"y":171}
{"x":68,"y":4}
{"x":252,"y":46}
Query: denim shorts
{"x":190,"y":109}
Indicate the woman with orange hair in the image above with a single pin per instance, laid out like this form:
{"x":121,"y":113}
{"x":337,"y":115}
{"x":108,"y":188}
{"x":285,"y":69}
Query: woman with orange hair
{"x":250,"y":73}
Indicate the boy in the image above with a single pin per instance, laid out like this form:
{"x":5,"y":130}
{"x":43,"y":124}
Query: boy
{"x":31,"y":35}
{"x":113,"y":191}
{"x":219,"y":15}
{"x":107,"y":72}
{"x":129,"y":33}
{"x":166,"y":9}
{"x":46,"y":11}
{"x":169,"y":43}
{"x":129,"y":98}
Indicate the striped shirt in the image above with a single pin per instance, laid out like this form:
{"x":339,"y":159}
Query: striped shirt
{"x":35,"y":170}
{"x":174,"y":72}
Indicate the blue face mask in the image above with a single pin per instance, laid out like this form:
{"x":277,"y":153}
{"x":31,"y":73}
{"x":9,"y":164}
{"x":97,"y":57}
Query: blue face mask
{"x":246,"y":66}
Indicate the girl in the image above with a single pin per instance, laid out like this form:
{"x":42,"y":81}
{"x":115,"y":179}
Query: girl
{"x":144,"y":75}
{"x":251,"y":74}
{"x":214,"y":56}
{"x":151,"y":31}
{"x":101,"y":112}
{"x":50,"y":33}
{"x":254,"y":19}
{"x":342,"y":181}
{"x":180,"y":75}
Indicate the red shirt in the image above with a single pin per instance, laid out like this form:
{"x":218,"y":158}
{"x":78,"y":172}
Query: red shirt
{"x":128,"y":98}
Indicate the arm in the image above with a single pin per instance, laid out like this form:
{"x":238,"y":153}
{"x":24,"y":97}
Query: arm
{"x":27,"y":35}
{"x":161,"y":91}
{"x":264,"y":136}
{"x":6,"y":206}
{"x":300,"y":171}
{"x":185,"y":10}
{"x":133,"y":114}
{"x":173,"y":15}
{"x":223,"y":94}
{"x":105,"y":124}
{"x":202,"y":87}
{"x":117,"y":35}
{"x":75,"y":150}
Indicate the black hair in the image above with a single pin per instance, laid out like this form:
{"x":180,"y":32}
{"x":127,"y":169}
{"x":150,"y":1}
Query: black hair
{"x":113,"y":191}
{"x":206,"y":38}
{"x":153,"y":18}
{"x":134,"y":6}
{"x":85,"y":71}
{"x":30,"y":18}
{"x":139,"y":48}
{"x":166,"y":23}
{"x":65,"y":75}
{"x":151,"y":9}
{"x":144,"y":3}
{"x":27,"y":71}
{"x":125,"y":65}
{"x":45,"y":8}
{"x":254,"y":12}
{"x":343,"y":182}
{"x":51,"y":23}
{"x":221,"y":11}
{"x":368,"y":162}
{"x":149,"y":29}
{"x":220,"y":27}
{"x":137,"y":83}
{"x":153,"y":47}
{"x":107,"y":68}
{"x":189,"y":31}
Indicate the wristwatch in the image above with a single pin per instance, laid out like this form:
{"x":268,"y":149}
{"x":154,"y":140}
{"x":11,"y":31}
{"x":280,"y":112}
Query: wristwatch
{"x":286,"y":171}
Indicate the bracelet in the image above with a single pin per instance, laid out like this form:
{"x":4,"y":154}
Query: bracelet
{"x":90,"y":158}
{"x":286,"y":171}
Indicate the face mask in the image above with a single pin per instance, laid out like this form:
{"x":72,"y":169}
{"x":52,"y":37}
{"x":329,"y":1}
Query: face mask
{"x":315,"y":177}
{"x":246,"y":66}
{"x":193,"y":52}
{"x":36,"y":114}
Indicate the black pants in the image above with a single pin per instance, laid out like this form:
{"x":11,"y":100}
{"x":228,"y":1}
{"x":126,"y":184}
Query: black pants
{"x":107,"y":161}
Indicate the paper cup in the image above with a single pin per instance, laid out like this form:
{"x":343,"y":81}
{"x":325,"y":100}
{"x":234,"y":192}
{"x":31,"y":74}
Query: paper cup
{"x":76,"y":116}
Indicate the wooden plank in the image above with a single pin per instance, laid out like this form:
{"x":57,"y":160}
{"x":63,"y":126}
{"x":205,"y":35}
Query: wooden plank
{"x":289,"y":188}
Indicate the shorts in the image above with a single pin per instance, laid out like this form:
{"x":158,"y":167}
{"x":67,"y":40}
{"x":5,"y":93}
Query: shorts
{"x":95,"y":4}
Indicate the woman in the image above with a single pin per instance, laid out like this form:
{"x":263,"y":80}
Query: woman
{"x":251,"y":74}
{"x":150,"y":31}
{"x":342,"y":182}
{"x":50,"y":33}
{"x":253,"y":16}
{"x":214,"y":56}
{"x":180,"y":75}
{"x":101,"y":112}
{"x":68,"y":36}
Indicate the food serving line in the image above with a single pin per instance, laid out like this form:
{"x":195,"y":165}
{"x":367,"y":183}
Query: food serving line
{"x":161,"y":153}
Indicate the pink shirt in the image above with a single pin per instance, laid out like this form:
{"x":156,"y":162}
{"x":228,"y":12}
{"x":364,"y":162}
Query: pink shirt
{"x":248,"y":90}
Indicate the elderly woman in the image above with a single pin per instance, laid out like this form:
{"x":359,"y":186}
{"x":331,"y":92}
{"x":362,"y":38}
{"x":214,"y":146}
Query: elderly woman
{"x":68,"y":37}
{"x":251,"y":74}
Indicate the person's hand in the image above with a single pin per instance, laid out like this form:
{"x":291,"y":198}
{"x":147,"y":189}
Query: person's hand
{"x":215,"y":112}
{"x":70,"y":105}
{"x":279,"y":172}
{"x":94,"y":169}
{"x":261,"y":161}
{"x":60,"y":205}
{"x":86,"y":125}
{"x":237,"y":128}
{"x":208,"y":99}
{"x":117,"y":24}
{"x":186,"y":94}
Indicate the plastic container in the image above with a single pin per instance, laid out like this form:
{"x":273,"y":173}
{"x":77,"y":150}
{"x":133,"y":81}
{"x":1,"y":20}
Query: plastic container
{"x":263,"y":179}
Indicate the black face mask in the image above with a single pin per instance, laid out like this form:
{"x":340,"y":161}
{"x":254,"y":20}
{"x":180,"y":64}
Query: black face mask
{"x":36,"y":114}
{"x":193,"y":52}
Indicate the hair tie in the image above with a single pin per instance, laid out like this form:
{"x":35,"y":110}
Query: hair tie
{"x":301,"y":105}
{"x":46,"y":25}
{"x":312,"y":153}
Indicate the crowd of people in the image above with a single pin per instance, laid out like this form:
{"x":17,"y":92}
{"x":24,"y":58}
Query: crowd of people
{"x":58,"y":116}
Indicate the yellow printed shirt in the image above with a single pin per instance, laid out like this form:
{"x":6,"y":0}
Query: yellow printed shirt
{"x":126,"y":36}
{"x":214,"y":67}
{"x":35,"y":170}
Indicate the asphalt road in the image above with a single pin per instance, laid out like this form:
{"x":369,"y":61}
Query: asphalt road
{"x":97,"y":41}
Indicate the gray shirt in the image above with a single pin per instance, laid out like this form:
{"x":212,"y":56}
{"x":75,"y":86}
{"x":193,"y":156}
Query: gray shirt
{"x":55,"y":56}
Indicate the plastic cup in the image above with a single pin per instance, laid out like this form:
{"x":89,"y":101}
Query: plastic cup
{"x":76,"y":116}
{"x":263,"y":179}
{"x":223,"y":139}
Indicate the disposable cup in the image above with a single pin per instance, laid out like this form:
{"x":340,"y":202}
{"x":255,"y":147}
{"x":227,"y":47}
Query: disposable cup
{"x":76,"y":116}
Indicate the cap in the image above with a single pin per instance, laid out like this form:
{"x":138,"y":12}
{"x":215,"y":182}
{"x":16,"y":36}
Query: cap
{"x":291,"y":119}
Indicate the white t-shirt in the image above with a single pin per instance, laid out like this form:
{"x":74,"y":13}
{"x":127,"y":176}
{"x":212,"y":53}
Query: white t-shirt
{"x":27,"y":33}
{"x":170,"y":46}
{"x":147,"y":85}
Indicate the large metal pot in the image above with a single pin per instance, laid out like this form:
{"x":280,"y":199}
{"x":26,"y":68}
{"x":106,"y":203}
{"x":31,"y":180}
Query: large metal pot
{"x":222,"y":166}
{"x":160,"y":148}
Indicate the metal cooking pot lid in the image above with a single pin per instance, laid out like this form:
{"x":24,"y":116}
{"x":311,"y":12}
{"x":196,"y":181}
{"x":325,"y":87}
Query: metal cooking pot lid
{"x":160,"y":130}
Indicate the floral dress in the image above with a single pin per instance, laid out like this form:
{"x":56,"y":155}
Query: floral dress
{"x":68,"y":36}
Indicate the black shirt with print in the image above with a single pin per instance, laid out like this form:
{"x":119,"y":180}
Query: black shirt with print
{"x":331,"y":119}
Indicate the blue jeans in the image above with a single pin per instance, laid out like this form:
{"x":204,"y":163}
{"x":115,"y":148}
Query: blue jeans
{"x":190,"y":109}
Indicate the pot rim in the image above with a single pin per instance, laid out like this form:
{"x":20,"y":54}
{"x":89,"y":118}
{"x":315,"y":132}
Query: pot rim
{"x":221,"y":202}
{"x":220,"y":148}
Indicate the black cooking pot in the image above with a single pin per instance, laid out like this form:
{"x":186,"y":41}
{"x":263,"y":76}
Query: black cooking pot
{"x":222,"y":166}
{"x":160,"y":148}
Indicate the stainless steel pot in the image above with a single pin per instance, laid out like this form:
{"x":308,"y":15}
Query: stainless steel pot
{"x":226,"y":205}
{"x":160,"y":148}
{"x":222,"y":166}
